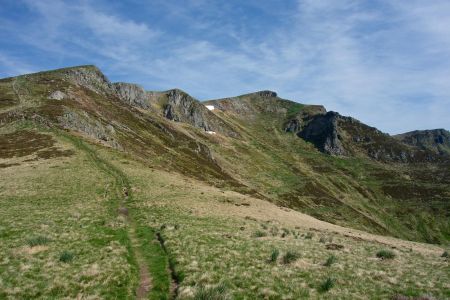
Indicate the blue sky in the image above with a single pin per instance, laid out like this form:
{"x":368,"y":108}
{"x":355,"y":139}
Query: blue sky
{"x":385,"y":62}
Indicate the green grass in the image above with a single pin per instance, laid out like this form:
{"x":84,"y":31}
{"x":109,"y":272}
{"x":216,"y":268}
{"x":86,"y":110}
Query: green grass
{"x":330,"y":260}
{"x":216,"y":292}
{"x":274,"y":256}
{"x":38,"y":241}
{"x":54,"y":204}
{"x":386,"y":254}
{"x":290,"y":256}
{"x":327,"y":285}
{"x":259,"y":233}
{"x":66,"y":256}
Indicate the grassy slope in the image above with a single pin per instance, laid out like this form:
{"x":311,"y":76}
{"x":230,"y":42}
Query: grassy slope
{"x":211,"y":233}
{"x":69,"y":202}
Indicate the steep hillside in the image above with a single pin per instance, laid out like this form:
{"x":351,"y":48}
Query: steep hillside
{"x":106,"y":184}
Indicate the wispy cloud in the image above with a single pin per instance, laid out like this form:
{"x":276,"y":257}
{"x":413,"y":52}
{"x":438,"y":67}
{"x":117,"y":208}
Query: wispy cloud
{"x":384,"y":62}
{"x":13,"y":66}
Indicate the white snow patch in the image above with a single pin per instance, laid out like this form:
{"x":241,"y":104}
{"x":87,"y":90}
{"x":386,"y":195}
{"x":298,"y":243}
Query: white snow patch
{"x":210,"y":107}
{"x":210,"y":132}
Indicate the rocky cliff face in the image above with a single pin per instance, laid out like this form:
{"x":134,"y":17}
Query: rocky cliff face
{"x":436,"y":140}
{"x":89,"y":126}
{"x":89,"y":77}
{"x":345,"y":136}
{"x":181,"y":107}
{"x":132,"y":94}
{"x":322,"y":131}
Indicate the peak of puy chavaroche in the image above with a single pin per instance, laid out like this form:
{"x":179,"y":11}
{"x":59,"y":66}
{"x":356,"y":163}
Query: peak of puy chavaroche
{"x":296,"y":157}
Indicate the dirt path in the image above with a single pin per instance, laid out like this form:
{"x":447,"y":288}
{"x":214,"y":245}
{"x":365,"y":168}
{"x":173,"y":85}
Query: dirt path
{"x":145,"y":282}
{"x":122,"y":191}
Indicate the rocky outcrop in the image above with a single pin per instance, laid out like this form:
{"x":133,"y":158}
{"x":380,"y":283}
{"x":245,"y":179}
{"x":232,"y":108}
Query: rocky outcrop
{"x":322,"y":131}
{"x":132,"y":94}
{"x":89,"y":77}
{"x":334,"y":134}
{"x":181,"y":107}
{"x":266,"y":93}
{"x":93,"y":128}
{"x":437,"y":140}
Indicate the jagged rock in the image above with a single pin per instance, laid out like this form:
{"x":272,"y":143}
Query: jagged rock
{"x":266,"y":94}
{"x":169,"y":113}
{"x":89,"y":77}
{"x":57,"y":95}
{"x":132,"y":94}
{"x":322,"y":131}
{"x":182,"y":107}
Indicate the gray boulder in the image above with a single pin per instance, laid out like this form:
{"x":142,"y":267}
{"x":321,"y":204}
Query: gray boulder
{"x":57,"y":95}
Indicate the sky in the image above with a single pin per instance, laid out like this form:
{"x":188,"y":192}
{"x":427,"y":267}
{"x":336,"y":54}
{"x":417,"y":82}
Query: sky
{"x":384,"y":62}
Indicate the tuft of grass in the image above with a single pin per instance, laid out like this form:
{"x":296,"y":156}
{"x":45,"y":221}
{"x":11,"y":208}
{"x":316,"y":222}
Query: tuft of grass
{"x":39,"y":240}
{"x":217,"y":292}
{"x":259,"y":233}
{"x":309,"y":236}
{"x":290,"y":257}
{"x":274,"y":231}
{"x":66,"y":256}
{"x":327,"y":285}
{"x":274,"y":256}
{"x":386,"y":254}
{"x":331,"y":260}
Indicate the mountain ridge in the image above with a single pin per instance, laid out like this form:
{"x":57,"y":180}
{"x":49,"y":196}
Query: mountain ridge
{"x":255,"y":143}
